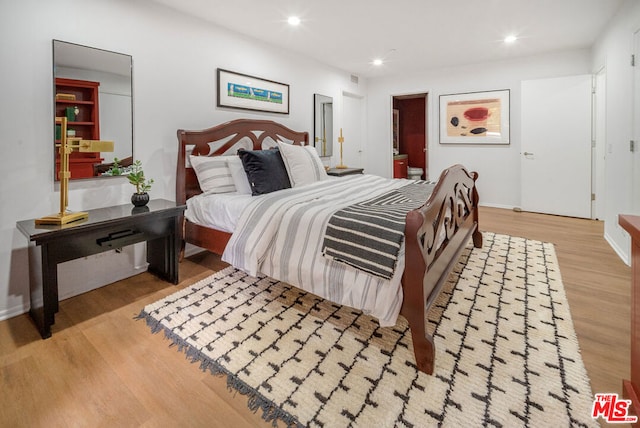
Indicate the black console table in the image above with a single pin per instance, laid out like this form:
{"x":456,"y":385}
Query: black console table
{"x":105,"y":229}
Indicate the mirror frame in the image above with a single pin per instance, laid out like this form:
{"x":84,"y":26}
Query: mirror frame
{"x":87,"y":63}
{"x":323,"y":125}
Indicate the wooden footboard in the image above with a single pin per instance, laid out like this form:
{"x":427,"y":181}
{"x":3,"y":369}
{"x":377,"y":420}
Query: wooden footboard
{"x":435,"y":235}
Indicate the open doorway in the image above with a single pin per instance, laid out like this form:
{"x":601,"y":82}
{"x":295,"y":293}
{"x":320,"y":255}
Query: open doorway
{"x":409,"y":122}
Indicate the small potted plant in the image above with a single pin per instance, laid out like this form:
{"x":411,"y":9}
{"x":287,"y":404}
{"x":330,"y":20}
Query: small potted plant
{"x":136,"y":177}
{"x":115,"y":168}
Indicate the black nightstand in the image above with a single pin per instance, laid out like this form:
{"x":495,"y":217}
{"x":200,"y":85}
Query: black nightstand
{"x":158,"y":223}
{"x":339,"y":172}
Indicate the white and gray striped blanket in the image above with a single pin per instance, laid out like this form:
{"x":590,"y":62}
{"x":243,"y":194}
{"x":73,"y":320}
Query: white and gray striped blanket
{"x":281,"y":235}
{"x":368,"y":235}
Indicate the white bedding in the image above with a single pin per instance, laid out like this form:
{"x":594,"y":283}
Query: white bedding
{"x":219,"y":211}
{"x":280,"y":235}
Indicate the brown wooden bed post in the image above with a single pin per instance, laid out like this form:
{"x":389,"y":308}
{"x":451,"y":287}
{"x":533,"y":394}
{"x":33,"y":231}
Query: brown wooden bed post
{"x":181,"y":195}
{"x":414,"y":300}
{"x":477,"y":235}
{"x":435,"y":236}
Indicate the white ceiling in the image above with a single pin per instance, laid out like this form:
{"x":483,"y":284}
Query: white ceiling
{"x":410,"y":34}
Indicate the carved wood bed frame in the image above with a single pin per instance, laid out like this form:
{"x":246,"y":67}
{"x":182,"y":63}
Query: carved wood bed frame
{"x":435,"y":234}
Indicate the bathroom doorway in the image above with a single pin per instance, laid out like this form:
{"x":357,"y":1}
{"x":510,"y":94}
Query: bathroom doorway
{"x":409,"y":124}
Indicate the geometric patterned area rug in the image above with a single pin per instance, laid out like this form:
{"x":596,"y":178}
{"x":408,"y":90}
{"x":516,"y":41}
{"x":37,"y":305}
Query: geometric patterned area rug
{"x":506,"y":351}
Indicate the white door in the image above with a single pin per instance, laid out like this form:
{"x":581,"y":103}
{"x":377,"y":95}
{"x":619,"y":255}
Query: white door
{"x":556,"y":146}
{"x":598,"y":151}
{"x":353,"y":130}
{"x":635,"y":145}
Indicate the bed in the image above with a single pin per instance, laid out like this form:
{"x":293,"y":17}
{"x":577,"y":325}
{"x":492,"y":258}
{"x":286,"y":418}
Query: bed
{"x":434,"y":232}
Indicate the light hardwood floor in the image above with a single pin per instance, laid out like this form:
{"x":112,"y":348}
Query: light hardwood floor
{"x":104,"y":368}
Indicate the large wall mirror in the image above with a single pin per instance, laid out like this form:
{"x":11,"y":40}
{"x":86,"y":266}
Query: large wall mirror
{"x":93,"y":88}
{"x":323,"y":124}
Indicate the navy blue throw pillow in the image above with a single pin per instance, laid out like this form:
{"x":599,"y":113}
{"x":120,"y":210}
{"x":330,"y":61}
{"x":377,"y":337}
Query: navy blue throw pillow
{"x":265,"y":170}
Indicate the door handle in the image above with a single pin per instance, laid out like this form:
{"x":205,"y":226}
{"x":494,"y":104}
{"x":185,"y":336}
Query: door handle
{"x":528,"y":154}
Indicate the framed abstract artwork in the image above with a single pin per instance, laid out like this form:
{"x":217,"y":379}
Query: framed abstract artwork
{"x":475,"y":118}
{"x":241,"y":91}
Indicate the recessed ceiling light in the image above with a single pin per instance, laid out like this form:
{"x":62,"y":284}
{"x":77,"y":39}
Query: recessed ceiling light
{"x":510,"y":39}
{"x":377,"y":61}
{"x":293,"y":20}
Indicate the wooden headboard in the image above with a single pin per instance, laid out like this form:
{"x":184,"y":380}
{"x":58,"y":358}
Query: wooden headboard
{"x":224,"y":137}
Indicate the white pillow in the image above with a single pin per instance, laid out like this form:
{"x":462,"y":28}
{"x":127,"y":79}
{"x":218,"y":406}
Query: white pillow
{"x":303,"y":164}
{"x":213,"y":174}
{"x":239,"y":176}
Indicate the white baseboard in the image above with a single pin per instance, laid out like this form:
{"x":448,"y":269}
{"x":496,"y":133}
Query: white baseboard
{"x":489,"y":205}
{"x":14,"y":312}
{"x":624,"y":256}
{"x":190,"y":250}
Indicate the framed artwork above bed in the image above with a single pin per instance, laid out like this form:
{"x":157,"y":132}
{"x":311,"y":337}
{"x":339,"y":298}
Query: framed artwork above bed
{"x":475,"y":118}
{"x":245,"y":92}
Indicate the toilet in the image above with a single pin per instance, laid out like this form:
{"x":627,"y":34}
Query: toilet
{"x":414,"y":173}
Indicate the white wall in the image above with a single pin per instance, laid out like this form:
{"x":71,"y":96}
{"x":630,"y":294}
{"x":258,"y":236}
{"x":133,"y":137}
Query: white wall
{"x":613,"y":52}
{"x":498,"y":166}
{"x":175,"y":59}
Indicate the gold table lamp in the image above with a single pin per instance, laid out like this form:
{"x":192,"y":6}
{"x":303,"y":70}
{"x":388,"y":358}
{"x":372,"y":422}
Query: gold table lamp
{"x":66,"y":146}
{"x":341,"y":140}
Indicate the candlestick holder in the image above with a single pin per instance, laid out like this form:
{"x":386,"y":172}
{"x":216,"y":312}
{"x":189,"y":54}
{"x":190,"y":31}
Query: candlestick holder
{"x":341,"y":140}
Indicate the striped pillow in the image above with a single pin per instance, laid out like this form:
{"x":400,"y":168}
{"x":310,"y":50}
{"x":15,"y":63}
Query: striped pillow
{"x":303,"y":164}
{"x":213,"y":174}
